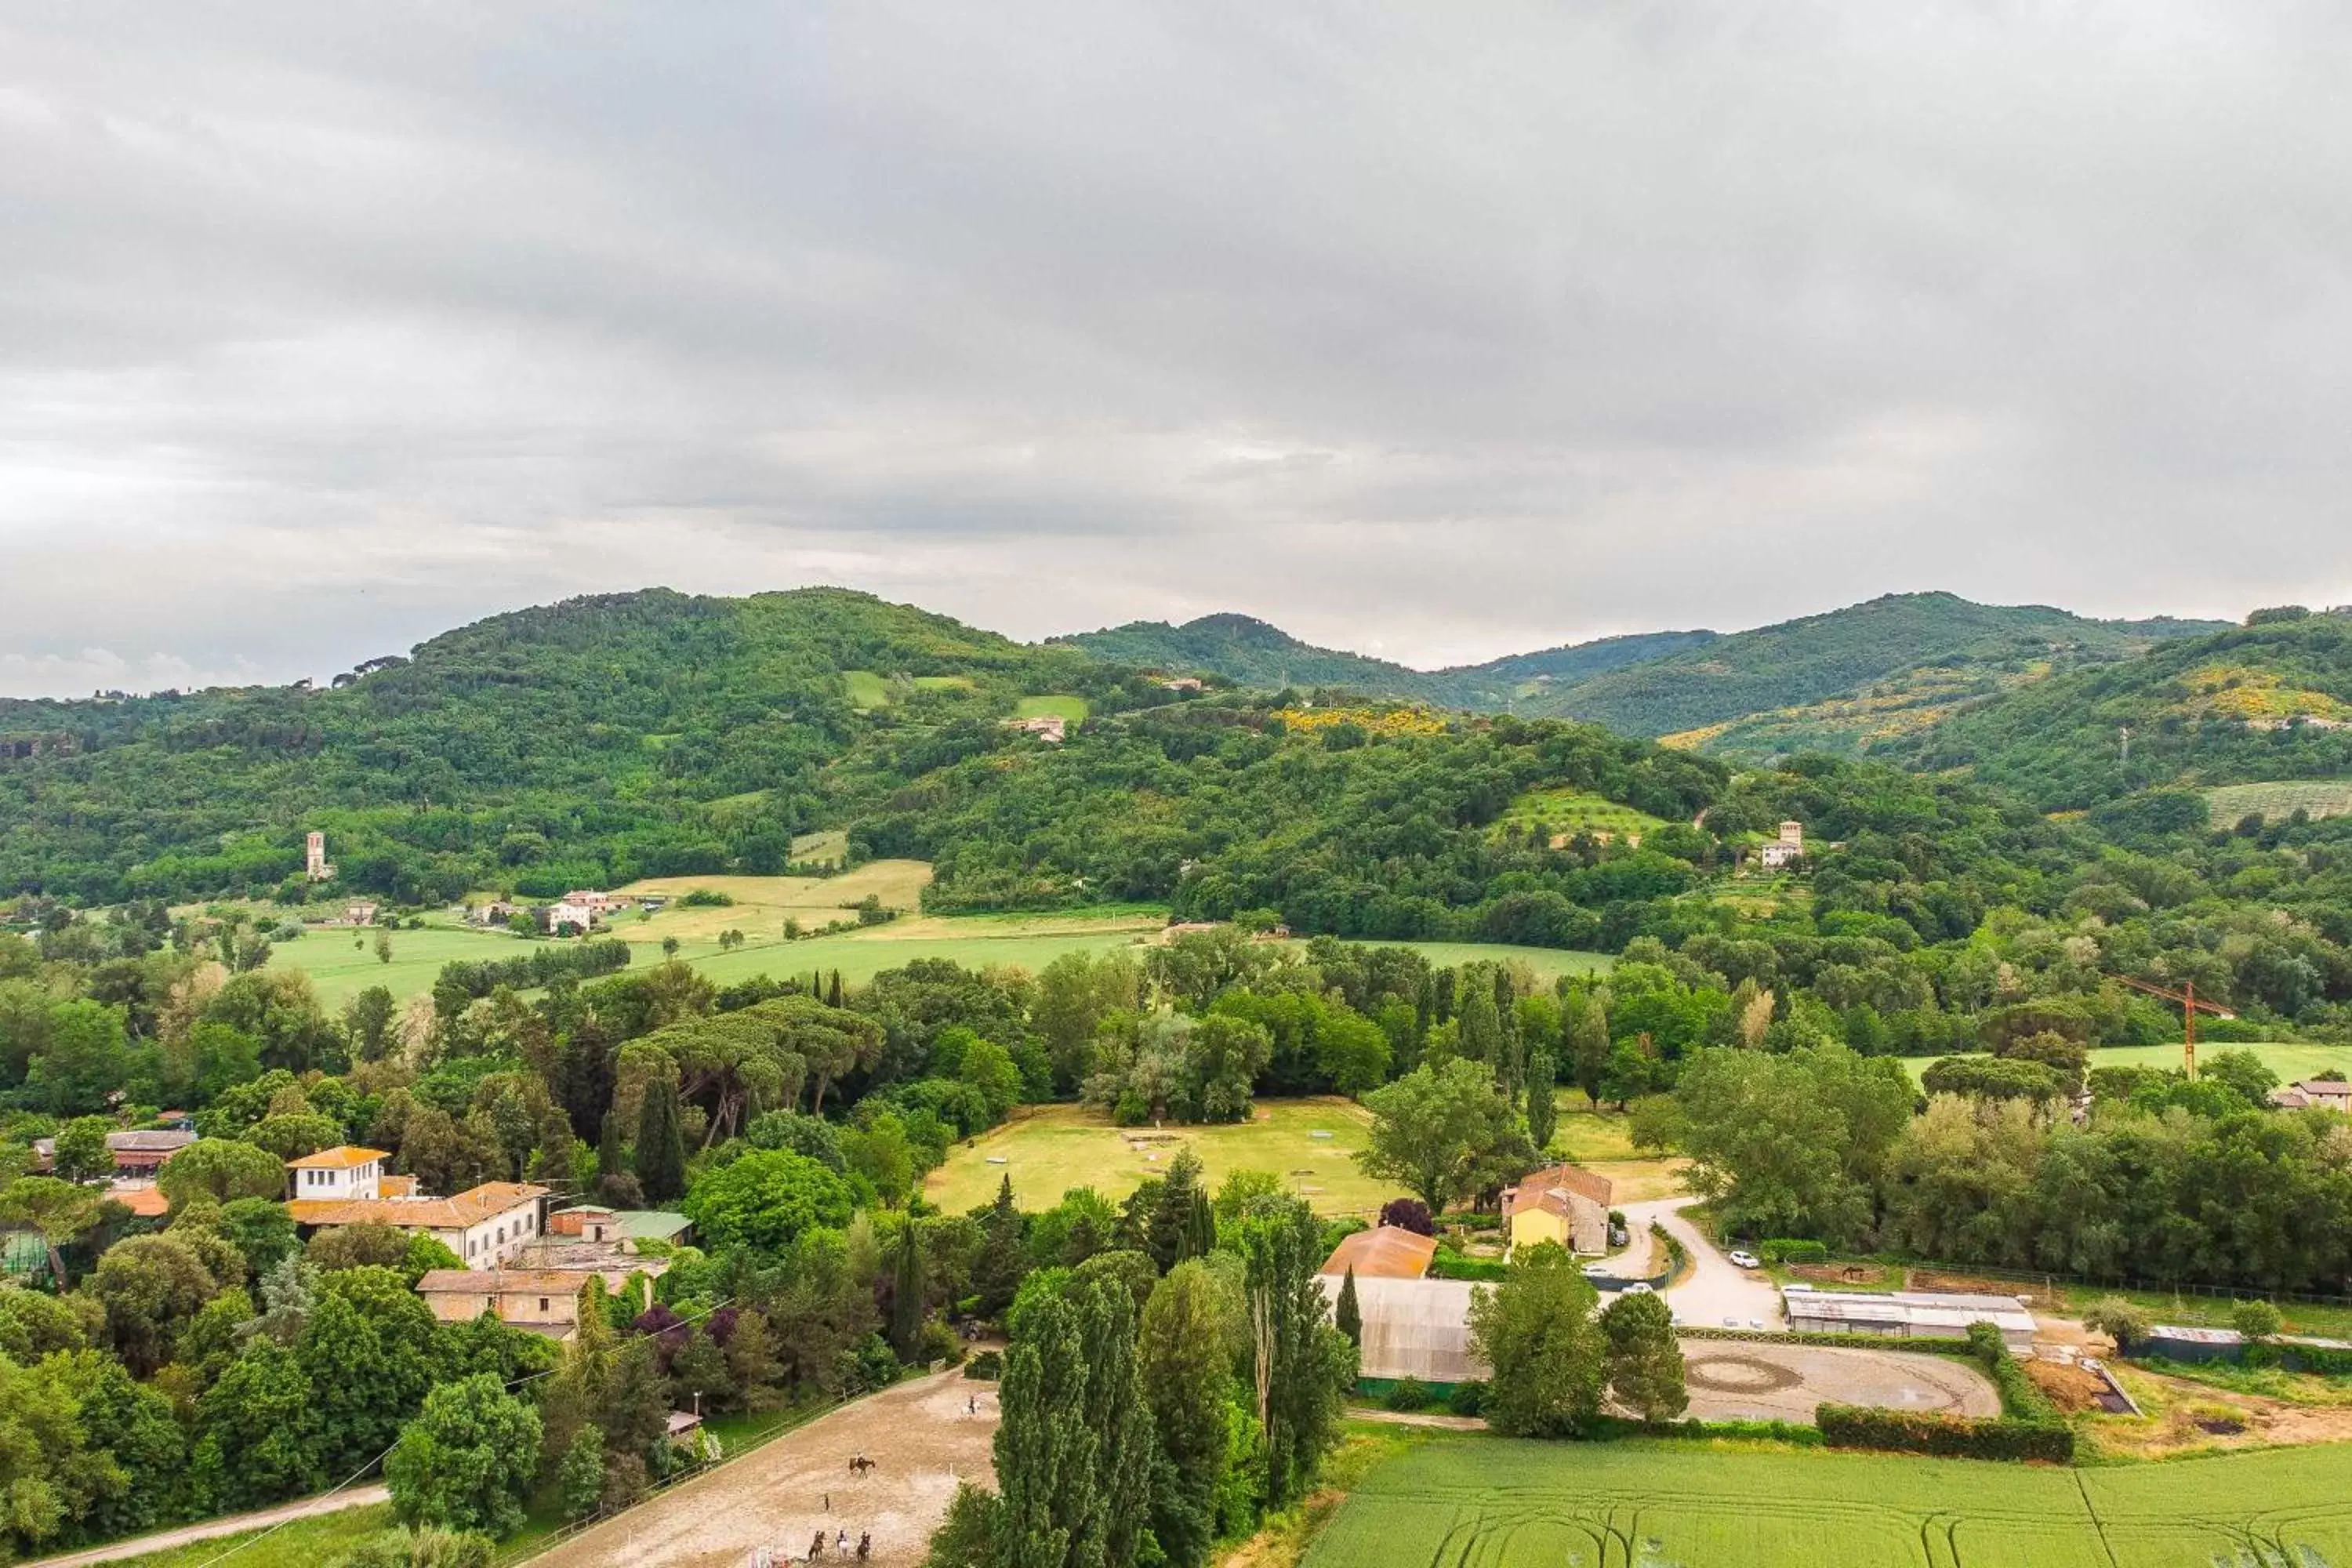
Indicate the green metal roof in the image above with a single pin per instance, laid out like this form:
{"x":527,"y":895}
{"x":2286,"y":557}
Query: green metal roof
{"x":660,"y":1224}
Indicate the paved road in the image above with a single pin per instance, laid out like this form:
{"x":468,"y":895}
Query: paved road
{"x":214,"y":1529}
{"x":1715,"y":1289}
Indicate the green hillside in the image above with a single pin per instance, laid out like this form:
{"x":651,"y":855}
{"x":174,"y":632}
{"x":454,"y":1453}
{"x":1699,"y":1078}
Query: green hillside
{"x":2271,"y":703}
{"x":597,"y":740}
{"x":1928,"y":646}
{"x":1249,"y":652}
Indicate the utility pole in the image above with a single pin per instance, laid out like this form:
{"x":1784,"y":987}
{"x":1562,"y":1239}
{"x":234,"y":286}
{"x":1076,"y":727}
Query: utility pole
{"x":2126,"y":735}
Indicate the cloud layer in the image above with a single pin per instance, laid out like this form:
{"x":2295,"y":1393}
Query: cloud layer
{"x":1432,"y":331}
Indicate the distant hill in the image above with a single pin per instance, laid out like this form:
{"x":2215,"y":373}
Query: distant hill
{"x":1852,"y":678}
{"x":1844,"y":680}
{"x":2271,"y":703}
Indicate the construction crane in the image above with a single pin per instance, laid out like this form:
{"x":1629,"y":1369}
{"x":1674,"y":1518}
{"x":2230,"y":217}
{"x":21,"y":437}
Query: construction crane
{"x":2186,"y":1000}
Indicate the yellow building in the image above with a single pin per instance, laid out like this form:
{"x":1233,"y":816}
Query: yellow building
{"x":1566,"y":1205}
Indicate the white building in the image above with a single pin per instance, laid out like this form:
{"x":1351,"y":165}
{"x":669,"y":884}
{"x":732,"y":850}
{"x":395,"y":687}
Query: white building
{"x":582,"y":918}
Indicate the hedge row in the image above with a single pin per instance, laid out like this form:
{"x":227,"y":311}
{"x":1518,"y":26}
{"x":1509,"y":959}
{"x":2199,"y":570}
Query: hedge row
{"x":1782,"y":1249}
{"x":2021,"y":1399}
{"x":1947,"y":1436}
{"x":1606,"y":1428}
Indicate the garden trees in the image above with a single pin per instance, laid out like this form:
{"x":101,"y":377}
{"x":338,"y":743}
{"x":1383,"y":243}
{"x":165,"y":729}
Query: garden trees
{"x":1435,"y":1129}
{"x":62,"y":1212}
{"x":151,"y":1287}
{"x":222,"y":1169}
{"x":1536,"y":1331}
{"x":467,"y":1460}
{"x":1790,"y":1145}
{"x":2121,"y":1321}
{"x":257,"y":1431}
{"x":766,"y":1200}
{"x":82,"y":1150}
{"x":1641,"y":1361}
{"x":1348,"y":1315}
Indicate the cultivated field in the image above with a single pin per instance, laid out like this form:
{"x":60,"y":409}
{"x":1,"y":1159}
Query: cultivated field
{"x":1572,"y":811}
{"x":1493,"y":1503}
{"x":1054,"y":1148}
{"x":762,"y":904}
{"x":2277,"y":802}
{"x":2291,"y":1061}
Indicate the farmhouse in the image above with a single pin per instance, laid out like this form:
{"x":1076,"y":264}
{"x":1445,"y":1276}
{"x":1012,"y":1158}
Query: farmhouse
{"x":486,"y":1226}
{"x":556,"y":918}
{"x":133,"y":1154}
{"x":2331,"y":1093}
{"x":543,"y":1301}
{"x":1785,"y":850}
{"x":1906,"y":1314}
{"x":1566,"y":1205}
{"x":1050,"y":728}
{"x":1385,"y":1252}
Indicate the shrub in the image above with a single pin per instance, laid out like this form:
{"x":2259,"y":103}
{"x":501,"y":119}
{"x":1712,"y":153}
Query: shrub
{"x":705,"y":899}
{"x":2256,"y":1321}
{"x":419,"y":1549}
{"x":1408,"y":1394}
{"x":987,"y":1366}
{"x":2118,"y":1319}
{"x":1467,"y":1399}
{"x":2020,"y":1397}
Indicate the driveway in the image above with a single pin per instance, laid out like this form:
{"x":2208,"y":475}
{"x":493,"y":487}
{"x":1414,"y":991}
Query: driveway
{"x":1714,"y":1290}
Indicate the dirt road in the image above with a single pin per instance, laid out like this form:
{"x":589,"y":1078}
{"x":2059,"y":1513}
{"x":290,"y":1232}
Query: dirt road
{"x":214,"y":1529}
{"x":920,"y":1435}
{"x":1715,"y":1291}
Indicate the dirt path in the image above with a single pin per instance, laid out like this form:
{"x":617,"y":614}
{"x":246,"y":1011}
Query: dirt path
{"x":920,"y":1435}
{"x":214,"y":1529}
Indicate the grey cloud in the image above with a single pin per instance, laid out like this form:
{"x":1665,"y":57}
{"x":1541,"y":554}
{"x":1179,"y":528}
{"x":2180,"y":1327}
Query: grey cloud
{"x":1430,"y":330}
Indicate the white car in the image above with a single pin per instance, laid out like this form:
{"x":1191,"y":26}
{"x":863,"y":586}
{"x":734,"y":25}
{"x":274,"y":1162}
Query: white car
{"x":1639,"y":1289}
{"x":1746,"y":1260}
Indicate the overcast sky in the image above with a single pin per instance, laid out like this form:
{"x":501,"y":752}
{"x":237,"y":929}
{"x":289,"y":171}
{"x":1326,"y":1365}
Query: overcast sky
{"x":1433,"y":331}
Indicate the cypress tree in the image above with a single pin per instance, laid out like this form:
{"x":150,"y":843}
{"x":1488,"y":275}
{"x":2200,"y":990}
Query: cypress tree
{"x":1003,"y":1259}
{"x":611,"y":1156}
{"x":1543,"y":1113}
{"x":1187,"y":1383}
{"x":661,"y":1146}
{"x":907,"y":1292}
{"x":1348,"y":1316}
{"x":1173,"y":1226}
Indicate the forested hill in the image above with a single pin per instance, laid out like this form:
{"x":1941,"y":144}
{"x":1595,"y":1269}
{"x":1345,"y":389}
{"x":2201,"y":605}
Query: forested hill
{"x":2270,"y":701}
{"x":621,"y":735}
{"x":1250,"y":652}
{"x":1841,"y":655}
{"x":1845,"y":680}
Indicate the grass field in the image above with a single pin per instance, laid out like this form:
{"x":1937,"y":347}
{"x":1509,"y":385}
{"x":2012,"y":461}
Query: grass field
{"x":1493,"y":1504}
{"x":763,"y":904}
{"x":340,"y":971}
{"x":2277,"y":802}
{"x":1058,"y":705}
{"x":2291,"y":1061}
{"x":304,"y":1543}
{"x":1572,"y":811}
{"x":1056,"y":1147}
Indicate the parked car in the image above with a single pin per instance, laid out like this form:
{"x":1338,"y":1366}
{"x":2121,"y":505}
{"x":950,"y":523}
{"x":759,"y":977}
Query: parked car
{"x":1731,"y":1322}
{"x":1747,"y":1260}
{"x":1639,"y":1289}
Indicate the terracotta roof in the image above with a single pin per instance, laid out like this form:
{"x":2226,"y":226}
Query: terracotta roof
{"x":504,"y":1281}
{"x":396,"y":1186}
{"x":1387,"y":1252}
{"x":146,"y":1202}
{"x":417,"y":1214}
{"x":343,"y":1157}
{"x":1552,"y":1188}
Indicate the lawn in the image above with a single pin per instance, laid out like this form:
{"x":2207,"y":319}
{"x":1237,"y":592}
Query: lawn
{"x":867,"y":689}
{"x":1056,"y":1147}
{"x":762,"y":904}
{"x":1598,"y":1139}
{"x":1475,"y":1503}
{"x":304,"y":1543}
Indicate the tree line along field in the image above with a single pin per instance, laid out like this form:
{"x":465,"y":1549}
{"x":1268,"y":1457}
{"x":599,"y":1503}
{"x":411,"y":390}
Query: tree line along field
{"x":1495,"y":1503}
